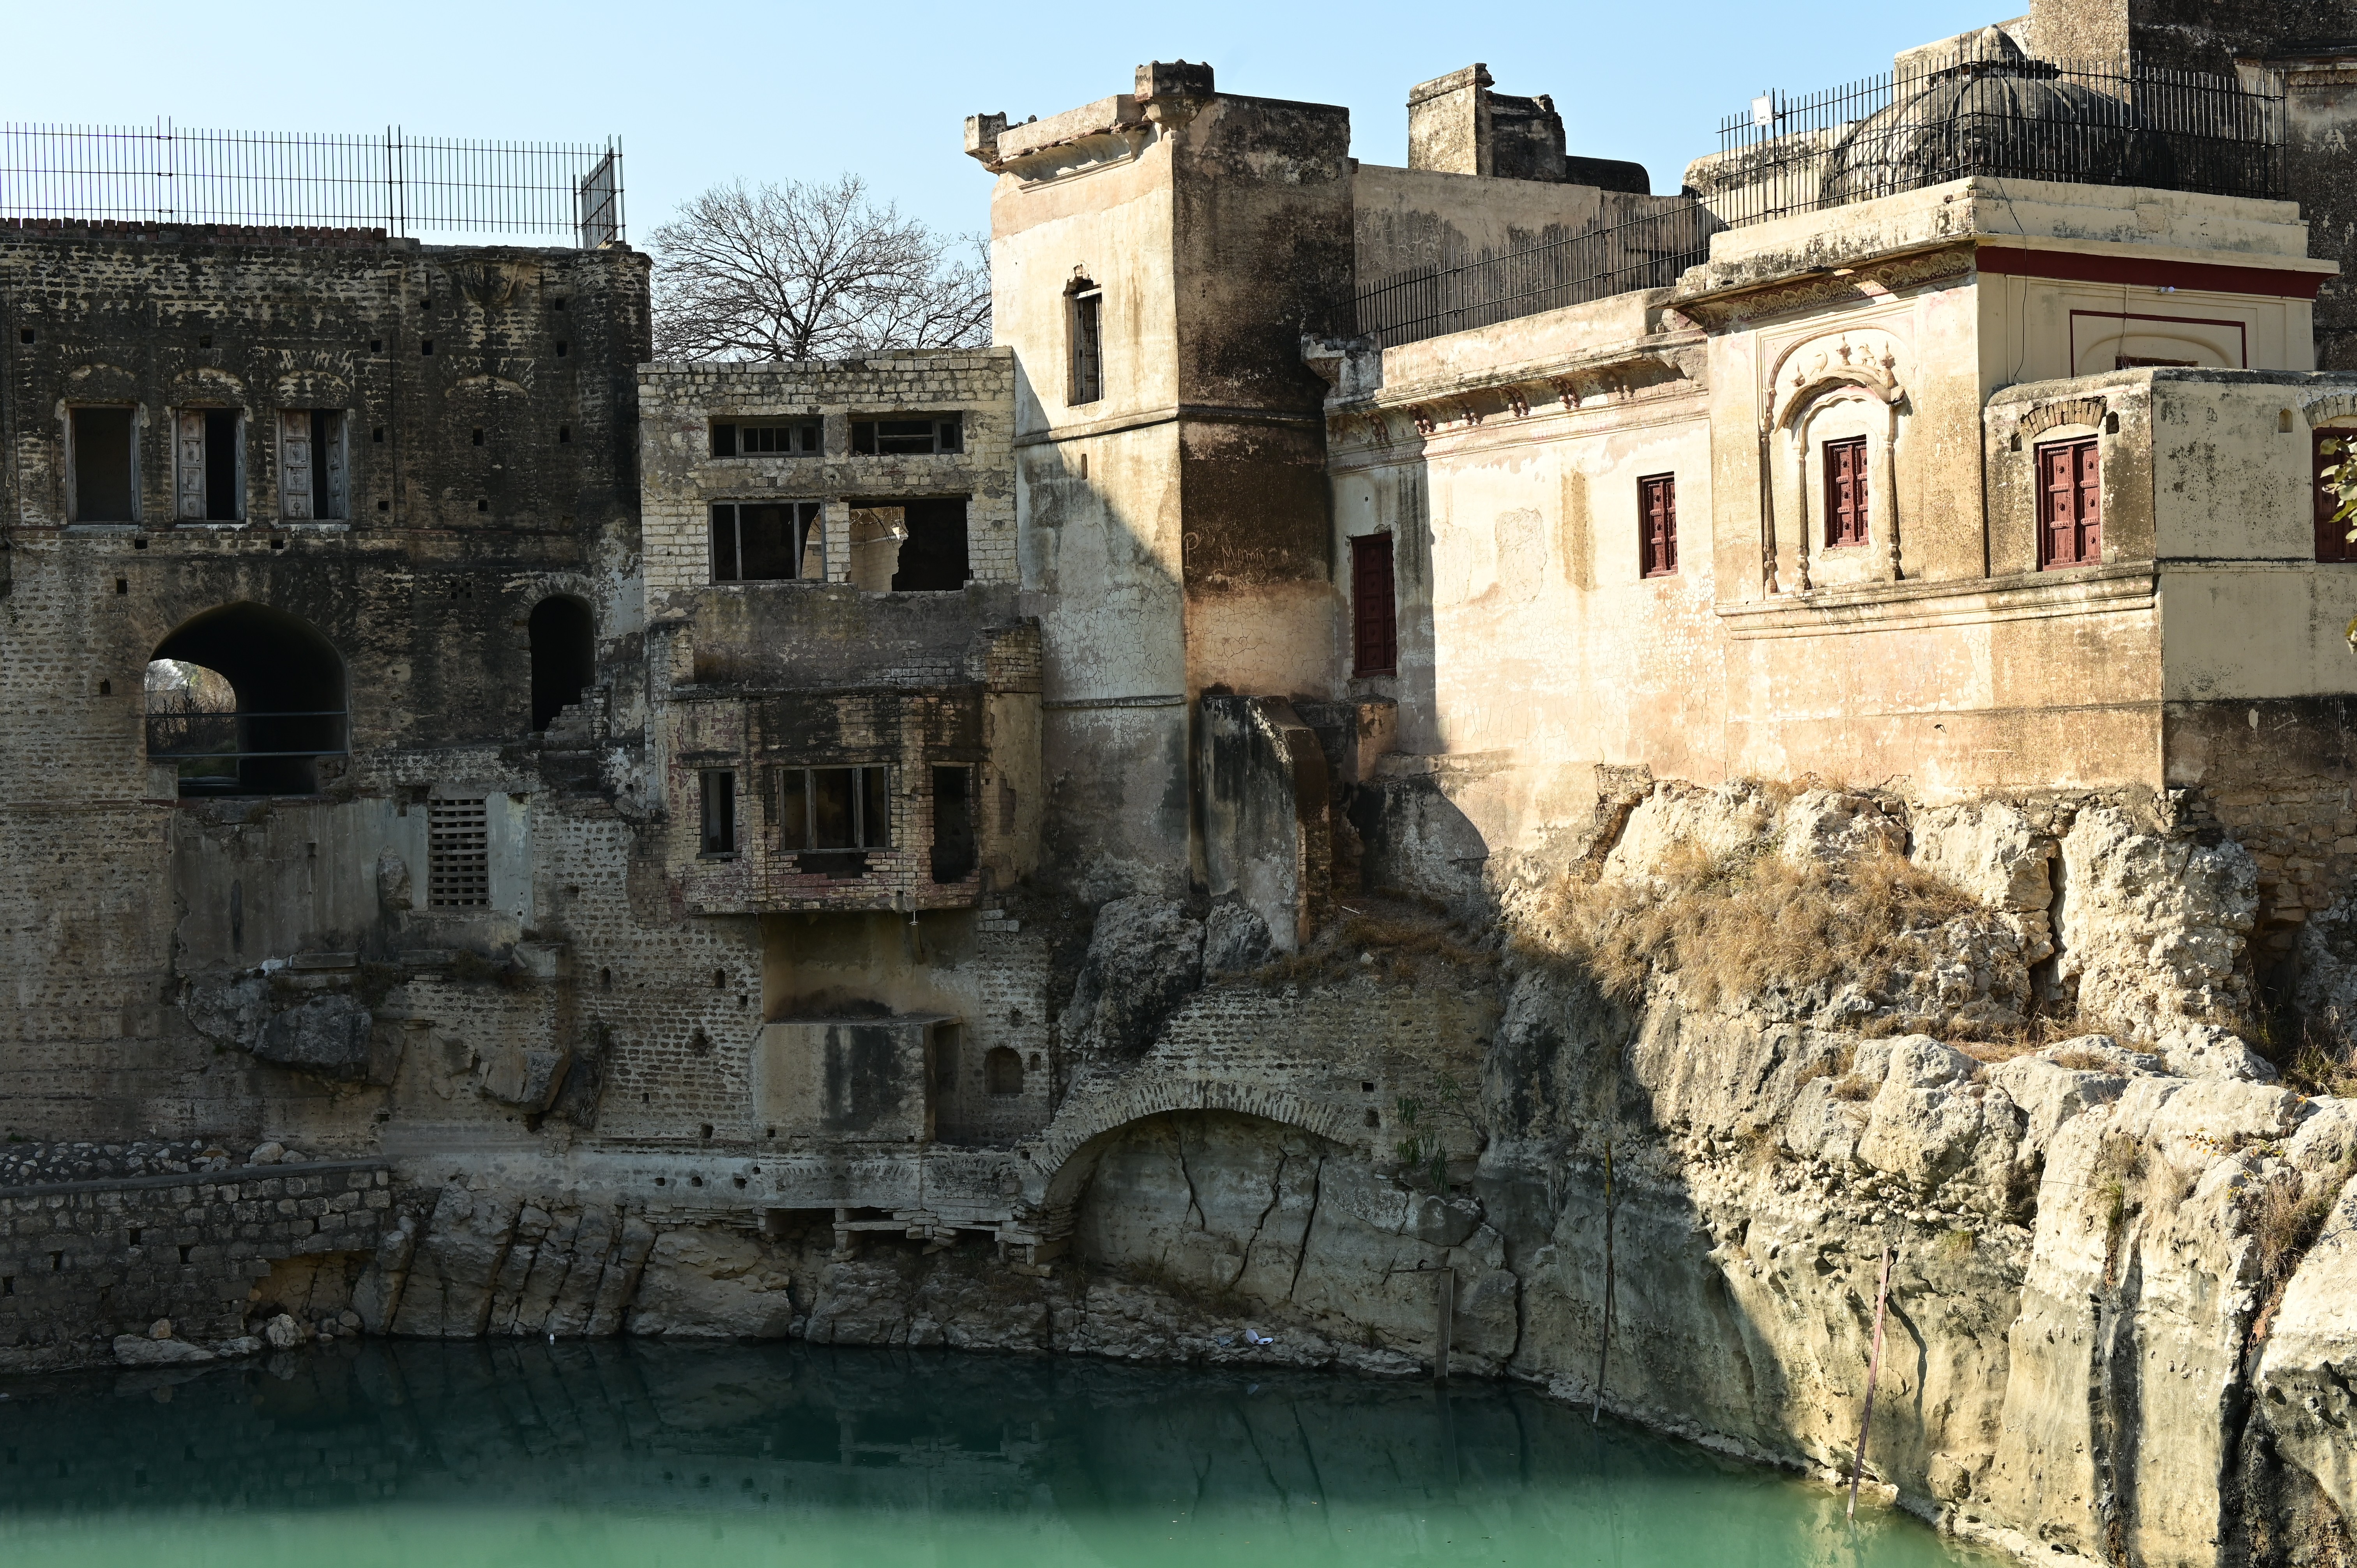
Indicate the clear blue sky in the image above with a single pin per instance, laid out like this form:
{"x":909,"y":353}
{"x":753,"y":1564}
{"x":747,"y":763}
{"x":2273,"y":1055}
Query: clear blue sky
{"x":702,"y":94}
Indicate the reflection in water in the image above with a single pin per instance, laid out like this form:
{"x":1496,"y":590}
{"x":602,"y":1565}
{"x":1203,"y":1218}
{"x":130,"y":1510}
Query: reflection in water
{"x":647,"y":1455}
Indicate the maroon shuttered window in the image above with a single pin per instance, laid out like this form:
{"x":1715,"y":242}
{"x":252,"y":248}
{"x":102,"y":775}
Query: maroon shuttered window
{"x":2069,"y":504}
{"x":1846,"y":491}
{"x":2331,"y":538}
{"x":1657,"y":523}
{"x":1374,"y":622}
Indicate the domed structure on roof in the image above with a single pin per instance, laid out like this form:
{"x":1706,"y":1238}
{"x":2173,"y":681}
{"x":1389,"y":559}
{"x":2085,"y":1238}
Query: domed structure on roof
{"x":1989,"y":109}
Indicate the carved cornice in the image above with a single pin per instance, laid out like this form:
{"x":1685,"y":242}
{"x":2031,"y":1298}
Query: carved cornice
{"x":1868,"y":281}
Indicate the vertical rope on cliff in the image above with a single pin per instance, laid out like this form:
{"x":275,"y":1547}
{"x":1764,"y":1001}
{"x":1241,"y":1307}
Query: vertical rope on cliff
{"x":1873,"y":1372}
{"x":1604,"y":1337}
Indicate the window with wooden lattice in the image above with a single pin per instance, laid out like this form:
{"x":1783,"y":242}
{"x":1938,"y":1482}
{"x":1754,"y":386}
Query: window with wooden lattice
{"x":1374,"y":616}
{"x":459,"y":853}
{"x":1845,"y":492}
{"x":2069,"y":504}
{"x":1657,"y":525}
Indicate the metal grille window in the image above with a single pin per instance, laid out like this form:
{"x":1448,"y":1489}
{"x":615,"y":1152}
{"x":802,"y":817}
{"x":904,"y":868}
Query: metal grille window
{"x":767,"y":542}
{"x":1845,"y":492}
{"x":823,"y":809}
{"x":909,"y":435}
{"x":1088,"y":344}
{"x":1657,"y":522}
{"x":1374,"y":620}
{"x":719,"y":812}
{"x":459,"y":862}
{"x":2069,"y":504}
{"x":779,"y":438}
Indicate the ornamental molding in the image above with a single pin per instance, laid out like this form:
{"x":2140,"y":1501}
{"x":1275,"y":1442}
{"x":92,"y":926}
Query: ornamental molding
{"x":1868,"y":281}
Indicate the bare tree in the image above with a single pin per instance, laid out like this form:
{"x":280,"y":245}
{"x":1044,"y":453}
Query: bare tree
{"x":803,"y":272}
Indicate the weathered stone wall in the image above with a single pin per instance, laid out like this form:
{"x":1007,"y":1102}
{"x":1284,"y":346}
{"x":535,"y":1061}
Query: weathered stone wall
{"x":82,"y":1262}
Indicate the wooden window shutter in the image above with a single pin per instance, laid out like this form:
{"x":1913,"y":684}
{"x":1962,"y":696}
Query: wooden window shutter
{"x":294,"y":464}
{"x":1846,"y":491}
{"x":188,"y":464}
{"x":2331,"y":538}
{"x":2069,"y":504}
{"x":1658,"y":520}
{"x":1374,"y":617}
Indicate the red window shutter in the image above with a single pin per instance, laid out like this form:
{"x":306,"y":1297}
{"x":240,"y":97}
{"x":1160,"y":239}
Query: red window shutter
{"x":1657,"y":542}
{"x":1846,"y":493}
{"x":2331,"y":538}
{"x":1374,"y":617}
{"x":2069,"y":504}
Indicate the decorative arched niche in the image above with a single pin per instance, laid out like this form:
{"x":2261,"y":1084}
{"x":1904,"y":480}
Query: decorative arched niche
{"x":1841,"y":388}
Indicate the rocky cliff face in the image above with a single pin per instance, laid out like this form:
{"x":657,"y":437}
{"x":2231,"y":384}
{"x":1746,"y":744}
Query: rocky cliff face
{"x":2122,"y":1321}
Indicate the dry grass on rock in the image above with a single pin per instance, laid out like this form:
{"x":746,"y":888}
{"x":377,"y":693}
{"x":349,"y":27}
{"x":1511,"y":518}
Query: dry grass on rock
{"x":1741,"y":924}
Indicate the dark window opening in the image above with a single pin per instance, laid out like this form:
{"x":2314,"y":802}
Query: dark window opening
{"x":932,"y":558}
{"x":2332,"y":448}
{"x":767,"y":543}
{"x":459,"y":853}
{"x":909,"y":436}
{"x":822,"y":810}
{"x":244,"y":700}
{"x":782,"y":438}
{"x":134,"y":1235}
{"x":954,"y":853}
{"x":479,"y":438}
{"x":104,"y":474}
{"x":941,"y":1041}
{"x":1845,"y":492}
{"x":187,"y":1251}
{"x":564,"y":656}
{"x":1087,"y":329}
{"x":426,"y":345}
{"x":311,"y":465}
{"x":1657,"y":521}
{"x":1374,"y":617}
{"x":2069,"y":504}
{"x":564,"y":434}
{"x":719,"y":811}
{"x":1001,"y":1072}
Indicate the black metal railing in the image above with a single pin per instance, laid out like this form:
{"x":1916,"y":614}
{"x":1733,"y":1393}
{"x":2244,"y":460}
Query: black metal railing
{"x":403,"y":184}
{"x":1988,"y":110}
{"x":1648,"y":251}
{"x":231,"y":739}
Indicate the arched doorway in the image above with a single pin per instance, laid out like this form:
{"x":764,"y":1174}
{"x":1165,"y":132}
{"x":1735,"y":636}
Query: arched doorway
{"x":244,"y":700}
{"x":564,"y":656}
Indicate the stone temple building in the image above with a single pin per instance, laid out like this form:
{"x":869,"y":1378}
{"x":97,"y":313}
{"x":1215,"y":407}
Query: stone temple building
{"x":791,"y":848}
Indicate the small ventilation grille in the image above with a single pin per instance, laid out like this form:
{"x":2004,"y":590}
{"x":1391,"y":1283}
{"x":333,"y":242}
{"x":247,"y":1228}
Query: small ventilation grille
{"x":460,"y":876}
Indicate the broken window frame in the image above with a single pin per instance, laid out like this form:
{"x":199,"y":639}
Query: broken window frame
{"x":796,"y":792}
{"x":781,"y":437}
{"x":726,"y":551}
{"x":1084,"y":327}
{"x":194,"y":489}
{"x":716,"y":812}
{"x":322,"y":453}
{"x":946,"y":437}
{"x":76,"y":508}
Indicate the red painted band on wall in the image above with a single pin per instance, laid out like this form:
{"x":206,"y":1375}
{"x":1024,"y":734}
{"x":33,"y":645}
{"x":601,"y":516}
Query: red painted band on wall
{"x":2079,"y":266}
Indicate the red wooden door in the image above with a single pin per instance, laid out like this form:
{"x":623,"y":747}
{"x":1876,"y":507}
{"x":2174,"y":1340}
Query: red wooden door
{"x":1374,"y":624}
{"x":1660,"y":505}
{"x":2069,"y":504}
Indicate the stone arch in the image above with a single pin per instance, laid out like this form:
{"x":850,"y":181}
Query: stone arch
{"x":1068,"y":1152}
{"x":2046,"y":416}
{"x":2329,"y":407}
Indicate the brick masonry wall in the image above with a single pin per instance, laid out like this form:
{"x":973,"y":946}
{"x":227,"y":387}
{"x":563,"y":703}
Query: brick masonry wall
{"x":84,"y":1262}
{"x":678,"y":402}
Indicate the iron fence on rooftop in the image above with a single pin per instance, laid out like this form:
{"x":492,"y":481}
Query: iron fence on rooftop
{"x":1987,"y":109}
{"x":406,"y":185}
{"x":1648,"y":251}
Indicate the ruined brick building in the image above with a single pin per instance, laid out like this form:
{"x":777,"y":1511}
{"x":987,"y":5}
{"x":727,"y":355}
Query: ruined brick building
{"x":678,"y":812}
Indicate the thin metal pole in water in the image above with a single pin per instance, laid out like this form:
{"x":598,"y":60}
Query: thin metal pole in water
{"x":1447,"y":1324}
{"x":1604,"y":1337}
{"x":1873,"y":1371}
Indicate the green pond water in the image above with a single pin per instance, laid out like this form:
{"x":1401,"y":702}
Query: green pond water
{"x":583,"y":1455}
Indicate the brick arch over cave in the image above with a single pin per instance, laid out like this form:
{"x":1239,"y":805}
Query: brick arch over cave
{"x":1068,"y":1152}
